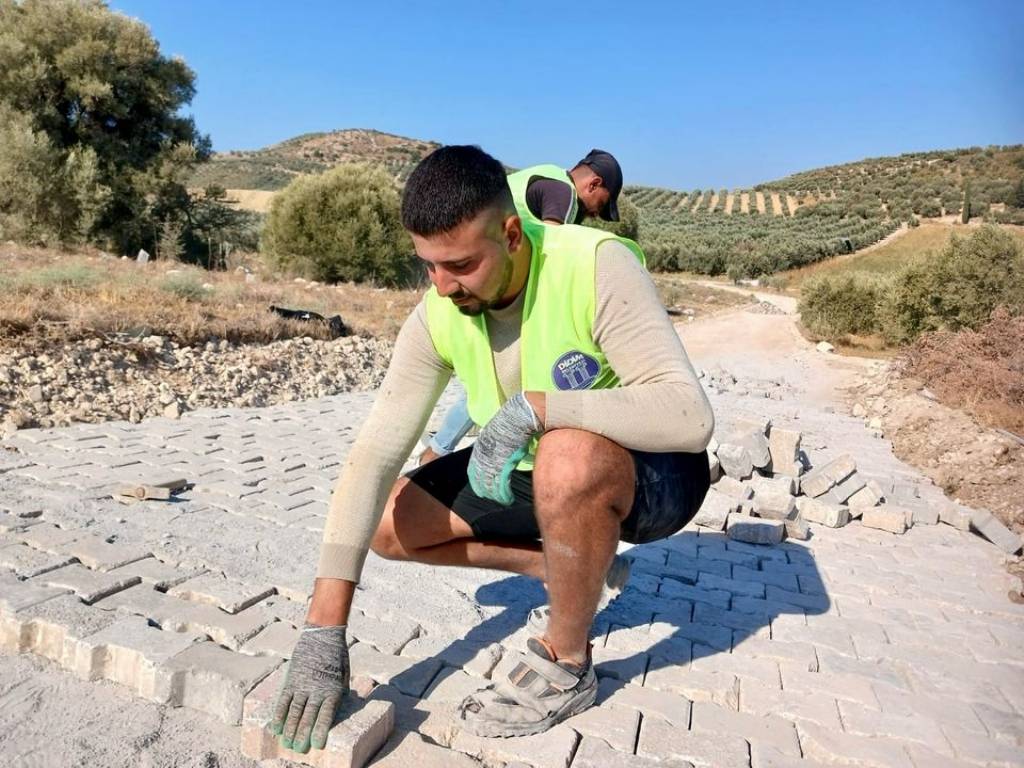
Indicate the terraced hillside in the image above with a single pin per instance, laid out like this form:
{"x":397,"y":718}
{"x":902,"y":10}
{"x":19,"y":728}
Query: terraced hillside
{"x":810,"y":216}
{"x":271,"y":168}
{"x":921,"y":183}
{"x":750,"y":233}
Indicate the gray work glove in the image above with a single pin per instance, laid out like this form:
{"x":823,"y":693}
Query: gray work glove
{"x":314,"y":684}
{"x":502,"y":443}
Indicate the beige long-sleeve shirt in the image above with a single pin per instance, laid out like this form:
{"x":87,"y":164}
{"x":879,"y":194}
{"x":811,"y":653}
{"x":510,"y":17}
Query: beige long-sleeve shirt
{"x":660,"y":405}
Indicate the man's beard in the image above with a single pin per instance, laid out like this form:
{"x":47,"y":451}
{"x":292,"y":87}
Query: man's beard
{"x":481,"y":306}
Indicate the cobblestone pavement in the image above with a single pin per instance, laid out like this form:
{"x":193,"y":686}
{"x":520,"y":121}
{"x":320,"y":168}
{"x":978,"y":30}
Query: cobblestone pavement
{"x":857,"y":647}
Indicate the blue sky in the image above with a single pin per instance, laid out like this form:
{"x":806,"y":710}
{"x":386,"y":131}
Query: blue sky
{"x":685,"y":94}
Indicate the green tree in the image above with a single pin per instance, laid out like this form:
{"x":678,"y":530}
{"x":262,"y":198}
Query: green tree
{"x":102,"y":102}
{"x":965,"y":214}
{"x":340,"y":225}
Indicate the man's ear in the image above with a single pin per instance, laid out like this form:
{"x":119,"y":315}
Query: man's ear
{"x":595,"y":182}
{"x":513,"y":232}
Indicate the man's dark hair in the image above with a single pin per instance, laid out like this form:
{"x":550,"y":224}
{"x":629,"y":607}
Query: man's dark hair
{"x":449,"y":186}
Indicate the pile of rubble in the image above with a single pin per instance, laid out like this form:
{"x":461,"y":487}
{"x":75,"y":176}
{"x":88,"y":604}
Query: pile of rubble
{"x":718,"y":380}
{"x":765,"y":488}
{"x":97,"y":380}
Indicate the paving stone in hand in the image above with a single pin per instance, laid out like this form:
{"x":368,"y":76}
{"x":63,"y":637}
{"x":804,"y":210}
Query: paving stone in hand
{"x":361,"y":728}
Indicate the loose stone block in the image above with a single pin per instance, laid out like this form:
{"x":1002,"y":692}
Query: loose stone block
{"x":98,"y":554}
{"x":871,"y":495}
{"x":819,"y":480}
{"x":476,"y":659}
{"x":755,"y":531}
{"x":887,"y":518}
{"x":660,"y":740}
{"x":985,"y":524}
{"x":758,"y":425}
{"x":774,"y":503}
{"x":841,"y":492}
{"x":408,"y":676}
{"x":781,"y":484}
{"x":757,"y":448}
{"x":156,"y":574}
{"x":130,"y":652}
{"x":822,"y":513}
{"x":956,"y":516}
{"x":211,"y":679}
{"x":784,"y":447}
{"x":736,"y":461}
{"x":89,"y":585}
{"x":361,"y":728}
{"x":714,"y":467}
{"x":925,"y":516}
{"x":227,"y":594}
{"x":733,"y":488}
{"x":277,"y":640}
{"x":27,"y":562}
{"x":797,"y":529}
{"x":52,"y":629}
{"x":715,"y":510}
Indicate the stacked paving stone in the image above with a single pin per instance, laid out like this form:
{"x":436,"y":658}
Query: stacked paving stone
{"x":765,"y":489}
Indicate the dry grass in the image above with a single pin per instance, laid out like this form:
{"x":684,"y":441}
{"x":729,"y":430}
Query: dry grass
{"x":48,"y":296}
{"x":981,"y":371}
{"x":677,"y":290}
{"x":930,"y":236}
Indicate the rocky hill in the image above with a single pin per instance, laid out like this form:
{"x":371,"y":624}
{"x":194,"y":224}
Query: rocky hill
{"x":272,"y":167}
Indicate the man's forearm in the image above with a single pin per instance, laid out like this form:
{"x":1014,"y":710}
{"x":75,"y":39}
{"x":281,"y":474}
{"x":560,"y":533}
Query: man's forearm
{"x":331,"y":603}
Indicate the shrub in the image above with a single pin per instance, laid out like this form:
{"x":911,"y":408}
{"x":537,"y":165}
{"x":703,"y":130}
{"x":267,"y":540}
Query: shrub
{"x":958,"y":288}
{"x":833,"y":306}
{"x":342,"y":225}
{"x":187,"y":287}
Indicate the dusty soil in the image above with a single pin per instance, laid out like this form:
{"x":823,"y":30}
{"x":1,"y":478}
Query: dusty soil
{"x":970,"y":462}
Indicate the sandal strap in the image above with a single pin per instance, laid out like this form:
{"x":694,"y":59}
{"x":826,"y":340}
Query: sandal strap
{"x":549,"y":672}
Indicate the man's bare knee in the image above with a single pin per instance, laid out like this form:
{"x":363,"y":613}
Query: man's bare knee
{"x":574,"y":465}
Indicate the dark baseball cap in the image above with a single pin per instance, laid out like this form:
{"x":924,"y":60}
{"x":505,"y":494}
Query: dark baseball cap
{"x":607,"y":167}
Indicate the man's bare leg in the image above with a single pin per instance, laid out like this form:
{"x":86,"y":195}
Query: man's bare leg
{"x":583,"y":489}
{"x":416,"y":526}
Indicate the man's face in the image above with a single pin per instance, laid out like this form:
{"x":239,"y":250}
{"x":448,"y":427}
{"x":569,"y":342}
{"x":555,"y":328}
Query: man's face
{"x":593,"y":195}
{"x":472,"y":264}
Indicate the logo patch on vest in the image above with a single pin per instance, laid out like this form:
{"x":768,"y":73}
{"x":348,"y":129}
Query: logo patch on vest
{"x":575,"y":370}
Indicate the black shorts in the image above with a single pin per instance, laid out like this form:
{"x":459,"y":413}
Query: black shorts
{"x":670,"y":487}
